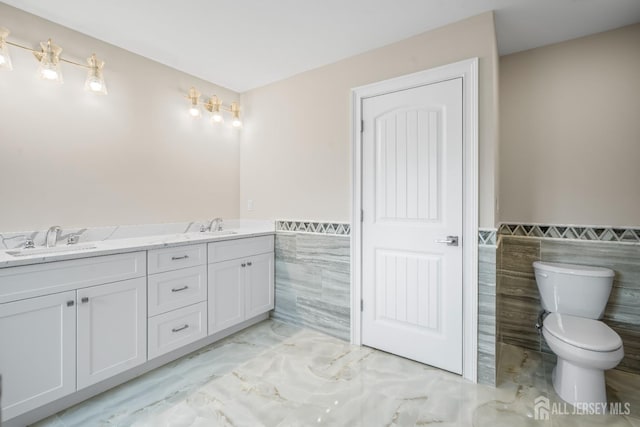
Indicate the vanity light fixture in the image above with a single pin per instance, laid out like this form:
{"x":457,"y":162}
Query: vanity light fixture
{"x":95,"y":78}
{"x":49,"y":61}
{"x":5,"y":59}
{"x":235,"y":110}
{"x":215,"y":106}
{"x":194,"y":103}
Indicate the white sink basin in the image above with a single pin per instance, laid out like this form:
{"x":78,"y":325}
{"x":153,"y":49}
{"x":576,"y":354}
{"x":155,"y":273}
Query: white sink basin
{"x":53,"y":250}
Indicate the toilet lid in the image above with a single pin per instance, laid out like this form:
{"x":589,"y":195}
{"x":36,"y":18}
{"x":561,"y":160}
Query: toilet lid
{"x":584,"y":333}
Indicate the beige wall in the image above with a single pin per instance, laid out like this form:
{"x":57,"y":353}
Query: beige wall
{"x":570,"y":132}
{"x":70,"y":158}
{"x":295,"y":160}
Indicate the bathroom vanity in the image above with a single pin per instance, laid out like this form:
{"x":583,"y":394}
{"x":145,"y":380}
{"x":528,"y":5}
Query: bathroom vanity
{"x":75,"y":324}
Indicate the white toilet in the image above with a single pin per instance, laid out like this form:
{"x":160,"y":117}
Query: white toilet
{"x":575,"y":297}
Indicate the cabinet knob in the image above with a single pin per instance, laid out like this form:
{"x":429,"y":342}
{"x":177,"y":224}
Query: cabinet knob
{"x":249,"y":263}
{"x":85,"y":300}
{"x":70,"y":303}
{"x":243,"y":265}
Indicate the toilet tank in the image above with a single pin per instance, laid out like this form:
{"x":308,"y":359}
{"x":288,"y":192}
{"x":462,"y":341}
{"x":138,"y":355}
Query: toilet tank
{"x":577,"y":290}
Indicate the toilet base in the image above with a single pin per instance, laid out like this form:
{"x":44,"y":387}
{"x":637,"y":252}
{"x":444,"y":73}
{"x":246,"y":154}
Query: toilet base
{"x":578,"y":385}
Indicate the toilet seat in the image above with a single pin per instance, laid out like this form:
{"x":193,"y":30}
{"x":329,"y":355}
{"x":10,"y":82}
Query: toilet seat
{"x":583,"y":333}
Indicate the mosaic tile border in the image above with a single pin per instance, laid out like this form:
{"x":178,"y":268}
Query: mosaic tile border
{"x":487,"y":236}
{"x":575,"y":232}
{"x":334,"y":228}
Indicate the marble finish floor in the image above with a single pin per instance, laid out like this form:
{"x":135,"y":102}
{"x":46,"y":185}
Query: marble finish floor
{"x":274,"y":374}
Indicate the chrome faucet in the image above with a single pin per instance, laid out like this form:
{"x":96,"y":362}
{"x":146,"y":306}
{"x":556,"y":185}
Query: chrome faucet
{"x":211,"y":227}
{"x":53,"y":234}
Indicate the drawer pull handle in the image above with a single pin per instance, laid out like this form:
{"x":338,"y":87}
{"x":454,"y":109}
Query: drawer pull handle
{"x":70,"y":303}
{"x":181,"y":328}
{"x":176,"y":258}
{"x":85,"y":300}
{"x":184,"y":288}
{"x":243,"y":265}
{"x":249,"y":263}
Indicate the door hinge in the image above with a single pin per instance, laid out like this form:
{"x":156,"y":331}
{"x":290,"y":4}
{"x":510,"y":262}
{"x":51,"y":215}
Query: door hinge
{"x":361,"y":126}
{"x":361,"y":305}
{"x":361,"y":215}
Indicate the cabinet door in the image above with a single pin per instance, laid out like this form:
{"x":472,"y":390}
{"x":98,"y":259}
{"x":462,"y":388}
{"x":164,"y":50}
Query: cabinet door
{"x":37,"y":351}
{"x":112,"y":332}
{"x":259,"y":284}
{"x":226,"y":294}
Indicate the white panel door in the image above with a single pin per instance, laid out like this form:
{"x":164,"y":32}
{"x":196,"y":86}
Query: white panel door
{"x":112,"y":329}
{"x":226,"y":294}
{"x":259,"y":285}
{"x":412,"y":198}
{"x":37,"y":351}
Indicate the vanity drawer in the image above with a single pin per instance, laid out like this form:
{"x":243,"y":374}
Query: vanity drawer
{"x":168,"y":259}
{"x":175,"y":289}
{"x":240,"y":248}
{"x":177,"y":328}
{"x":41,"y":279}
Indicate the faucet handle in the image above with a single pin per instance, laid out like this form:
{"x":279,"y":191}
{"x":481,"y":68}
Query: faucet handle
{"x":28,"y":244}
{"x":73,"y":239}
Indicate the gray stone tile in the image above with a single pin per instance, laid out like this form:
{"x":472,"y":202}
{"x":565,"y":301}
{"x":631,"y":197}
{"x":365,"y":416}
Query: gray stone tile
{"x":623,"y":258}
{"x":518,"y":254}
{"x":326,"y":251}
{"x":285,"y":247}
{"x":303,"y":279}
{"x":336,"y":287}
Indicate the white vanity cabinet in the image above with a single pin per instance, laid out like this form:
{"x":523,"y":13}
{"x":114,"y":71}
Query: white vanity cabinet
{"x":68,"y":324}
{"x":241,"y":280}
{"x":37,"y":351}
{"x":177,"y":285}
{"x":112,"y":330}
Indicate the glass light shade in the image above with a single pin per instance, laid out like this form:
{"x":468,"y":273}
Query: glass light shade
{"x":50,"y":62}
{"x":5,"y":59}
{"x":95,"y":78}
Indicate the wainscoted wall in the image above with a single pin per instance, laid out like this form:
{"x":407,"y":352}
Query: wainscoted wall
{"x":487,"y":360}
{"x":313,"y":276}
{"x":313,"y":284}
{"x":518,"y":299}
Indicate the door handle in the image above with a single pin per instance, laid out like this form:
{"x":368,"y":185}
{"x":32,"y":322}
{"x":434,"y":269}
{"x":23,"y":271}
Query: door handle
{"x":450,"y":241}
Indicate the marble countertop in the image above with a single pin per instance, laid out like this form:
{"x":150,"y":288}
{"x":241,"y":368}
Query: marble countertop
{"x":114,"y":244}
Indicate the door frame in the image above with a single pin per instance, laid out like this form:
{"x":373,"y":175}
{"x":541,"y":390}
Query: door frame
{"x":468,"y":71}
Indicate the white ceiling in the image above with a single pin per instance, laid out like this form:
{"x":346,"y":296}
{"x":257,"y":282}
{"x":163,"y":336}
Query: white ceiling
{"x":245,"y":44}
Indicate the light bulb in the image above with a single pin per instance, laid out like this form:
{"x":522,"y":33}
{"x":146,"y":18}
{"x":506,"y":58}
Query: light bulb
{"x":194,"y":111}
{"x":236,"y":123}
{"x":49,"y":74}
{"x":2,"y":60}
{"x":217,"y":117}
{"x":95,"y":86}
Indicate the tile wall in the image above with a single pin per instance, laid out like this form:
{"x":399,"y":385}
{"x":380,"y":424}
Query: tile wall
{"x":487,"y":307}
{"x":518,"y":301}
{"x":313,"y":276}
